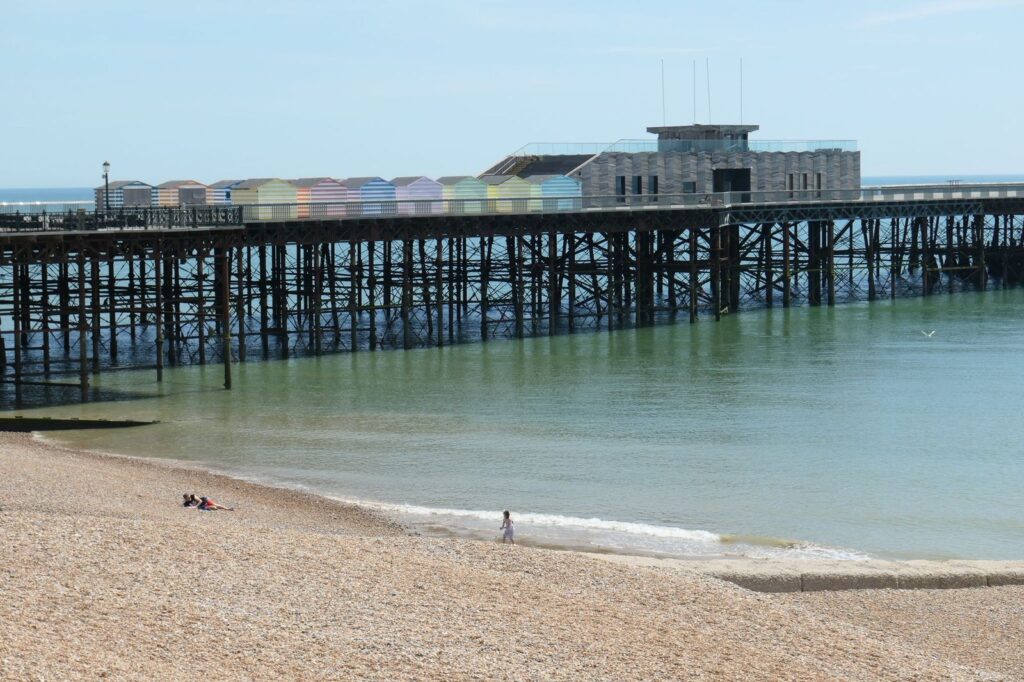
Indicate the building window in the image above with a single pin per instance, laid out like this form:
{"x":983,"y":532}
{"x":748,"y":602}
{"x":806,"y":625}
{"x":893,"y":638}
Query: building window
{"x":652,"y":184}
{"x":817,"y":184}
{"x":638,"y":184}
{"x":807,"y":181}
{"x":791,"y":184}
{"x":689,"y":187}
{"x":620,"y":188}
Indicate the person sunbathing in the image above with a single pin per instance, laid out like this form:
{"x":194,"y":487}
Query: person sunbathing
{"x":190,"y":500}
{"x":206,"y":504}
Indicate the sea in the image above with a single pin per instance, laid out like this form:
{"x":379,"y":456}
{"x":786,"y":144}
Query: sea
{"x":889,"y":429}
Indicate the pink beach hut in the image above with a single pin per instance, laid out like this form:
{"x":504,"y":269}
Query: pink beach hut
{"x":320,"y":197}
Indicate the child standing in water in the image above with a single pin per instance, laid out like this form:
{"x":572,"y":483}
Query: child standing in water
{"x":506,"y":525}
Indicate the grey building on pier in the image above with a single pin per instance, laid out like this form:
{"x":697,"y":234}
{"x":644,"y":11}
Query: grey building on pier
{"x":700,"y":159}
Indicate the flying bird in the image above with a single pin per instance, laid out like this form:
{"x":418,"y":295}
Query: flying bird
{"x":928,"y":334}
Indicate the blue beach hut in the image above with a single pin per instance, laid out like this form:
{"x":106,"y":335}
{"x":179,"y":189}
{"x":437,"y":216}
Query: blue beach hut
{"x":376,"y":196}
{"x":558,"y":192}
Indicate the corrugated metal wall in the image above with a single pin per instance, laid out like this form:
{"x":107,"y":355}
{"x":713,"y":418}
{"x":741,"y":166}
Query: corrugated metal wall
{"x":513,"y":188}
{"x":378,"y":197}
{"x":560,"y":192}
{"x":465,"y":196}
{"x":332,"y":194}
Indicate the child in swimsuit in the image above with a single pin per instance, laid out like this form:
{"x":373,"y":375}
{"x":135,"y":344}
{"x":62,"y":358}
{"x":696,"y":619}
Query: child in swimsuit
{"x":506,"y":525}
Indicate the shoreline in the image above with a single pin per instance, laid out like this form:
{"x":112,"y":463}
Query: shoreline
{"x":106,"y":575}
{"x":758,"y":574}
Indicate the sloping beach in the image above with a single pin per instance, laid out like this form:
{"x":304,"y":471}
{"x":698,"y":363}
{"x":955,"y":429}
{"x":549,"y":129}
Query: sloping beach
{"x":105,"y":575}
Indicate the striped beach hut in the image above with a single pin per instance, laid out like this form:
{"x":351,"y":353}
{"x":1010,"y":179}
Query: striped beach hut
{"x":559,"y":192}
{"x":376,"y":196}
{"x":219,"y":193}
{"x":180,"y":193}
{"x":506,"y":191}
{"x":274,"y":198}
{"x":318,"y":197}
{"x":463,"y":193}
{"x":125,"y":193}
{"x":417,"y":194}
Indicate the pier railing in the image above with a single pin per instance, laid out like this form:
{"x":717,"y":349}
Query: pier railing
{"x":65,"y":216}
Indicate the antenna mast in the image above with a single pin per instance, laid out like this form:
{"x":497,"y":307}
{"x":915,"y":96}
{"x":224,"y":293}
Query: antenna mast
{"x":707,"y":71}
{"x":663,"y":120}
{"x":694,"y":92}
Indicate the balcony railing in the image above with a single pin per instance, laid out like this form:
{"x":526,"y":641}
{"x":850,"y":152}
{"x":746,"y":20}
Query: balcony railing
{"x":686,"y":146}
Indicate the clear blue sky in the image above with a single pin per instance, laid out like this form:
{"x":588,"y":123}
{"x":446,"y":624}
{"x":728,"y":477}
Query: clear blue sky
{"x":212,"y":90}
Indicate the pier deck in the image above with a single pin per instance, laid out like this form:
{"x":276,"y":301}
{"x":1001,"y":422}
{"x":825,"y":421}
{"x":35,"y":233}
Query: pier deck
{"x":83,"y":292}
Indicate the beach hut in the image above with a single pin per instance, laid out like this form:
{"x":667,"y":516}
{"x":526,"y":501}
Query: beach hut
{"x":219,"y":193}
{"x":511,"y":194}
{"x":320,"y":197}
{"x":376,"y":196}
{"x":273,"y":199}
{"x":125,"y":193}
{"x":417,"y":194}
{"x":463,"y":193}
{"x":559,"y":192}
{"x":180,"y":193}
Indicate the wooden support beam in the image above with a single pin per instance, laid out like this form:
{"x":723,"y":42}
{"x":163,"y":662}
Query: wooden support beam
{"x":112,"y":307}
{"x":694,"y":285}
{"x":158,"y":312}
{"x":225,"y":311}
{"x":83,"y":331}
{"x":241,"y":255}
{"x":201,"y":304}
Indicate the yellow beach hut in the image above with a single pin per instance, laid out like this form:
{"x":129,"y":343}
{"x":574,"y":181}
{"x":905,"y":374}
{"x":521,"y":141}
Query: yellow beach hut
{"x":511,"y":194}
{"x":266,"y":199}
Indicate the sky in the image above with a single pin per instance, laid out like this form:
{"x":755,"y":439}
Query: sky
{"x":214,"y":89}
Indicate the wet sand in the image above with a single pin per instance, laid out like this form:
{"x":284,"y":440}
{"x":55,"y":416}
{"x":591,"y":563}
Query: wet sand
{"x":104,"y":574}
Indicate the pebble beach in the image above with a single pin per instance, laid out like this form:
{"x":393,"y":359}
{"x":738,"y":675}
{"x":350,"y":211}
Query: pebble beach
{"x":105,"y":575}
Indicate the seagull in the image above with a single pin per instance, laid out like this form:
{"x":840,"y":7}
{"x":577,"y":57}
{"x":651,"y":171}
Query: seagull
{"x":725,"y":311}
{"x":928,"y":334}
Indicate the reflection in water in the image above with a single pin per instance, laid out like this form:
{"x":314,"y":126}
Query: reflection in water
{"x":843,"y":428}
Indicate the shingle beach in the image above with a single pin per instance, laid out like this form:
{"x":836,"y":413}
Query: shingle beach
{"x":104,"y":574}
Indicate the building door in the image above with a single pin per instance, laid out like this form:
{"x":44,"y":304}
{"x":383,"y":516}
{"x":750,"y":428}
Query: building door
{"x":733,"y":180}
{"x":191,"y":196}
{"x":137,"y":196}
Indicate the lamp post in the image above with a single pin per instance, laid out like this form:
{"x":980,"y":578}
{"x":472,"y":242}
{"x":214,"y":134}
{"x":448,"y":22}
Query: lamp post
{"x":106,"y":186}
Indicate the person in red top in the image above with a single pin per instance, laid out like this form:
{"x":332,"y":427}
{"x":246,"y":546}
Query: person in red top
{"x":207,"y":504}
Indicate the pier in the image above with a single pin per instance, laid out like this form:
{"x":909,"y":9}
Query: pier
{"x":87,"y":291}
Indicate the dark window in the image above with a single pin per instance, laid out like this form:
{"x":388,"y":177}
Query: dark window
{"x":689,"y":187}
{"x":620,"y":187}
{"x":638,"y":184}
{"x":652,"y":184}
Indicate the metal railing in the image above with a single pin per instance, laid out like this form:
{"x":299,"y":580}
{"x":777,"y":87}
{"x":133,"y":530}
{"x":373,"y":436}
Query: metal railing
{"x":645,"y":146}
{"x":32,"y":217}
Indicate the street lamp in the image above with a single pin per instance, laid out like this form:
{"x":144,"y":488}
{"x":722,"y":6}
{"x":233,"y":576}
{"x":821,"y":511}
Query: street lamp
{"x":106,"y":186}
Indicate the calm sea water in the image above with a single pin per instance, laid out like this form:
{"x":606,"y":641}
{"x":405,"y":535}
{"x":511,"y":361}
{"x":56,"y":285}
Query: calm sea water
{"x":46,"y":194}
{"x":813,"y":432}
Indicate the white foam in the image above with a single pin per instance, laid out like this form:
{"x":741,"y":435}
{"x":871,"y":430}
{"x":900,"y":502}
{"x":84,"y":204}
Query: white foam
{"x":552,"y":521}
{"x":624,"y":536}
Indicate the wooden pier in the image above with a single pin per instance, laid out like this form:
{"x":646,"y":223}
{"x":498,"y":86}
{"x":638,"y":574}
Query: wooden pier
{"x":85,"y":292}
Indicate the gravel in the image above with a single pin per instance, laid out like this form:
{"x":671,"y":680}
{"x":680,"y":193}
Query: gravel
{"x":105,"y":575}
